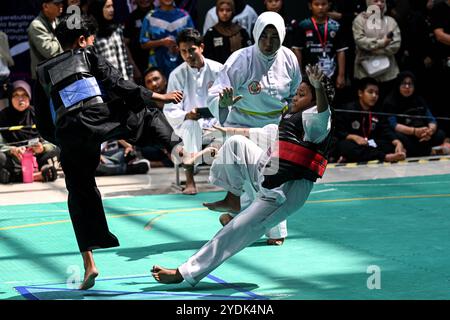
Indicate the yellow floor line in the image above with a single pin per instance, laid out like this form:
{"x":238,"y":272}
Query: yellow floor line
{"x":203,"y":209}
{"x":108,"y":216}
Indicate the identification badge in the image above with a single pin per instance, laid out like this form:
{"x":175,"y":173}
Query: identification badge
{"x":327,"y":66}
{"x":372,"y":143}
{"x":218,"y":42}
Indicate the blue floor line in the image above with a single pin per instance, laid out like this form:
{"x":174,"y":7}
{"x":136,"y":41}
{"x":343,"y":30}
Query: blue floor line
{"x":23,"y":290}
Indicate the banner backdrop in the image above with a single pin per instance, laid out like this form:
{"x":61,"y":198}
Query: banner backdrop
{"x":15,"y":16}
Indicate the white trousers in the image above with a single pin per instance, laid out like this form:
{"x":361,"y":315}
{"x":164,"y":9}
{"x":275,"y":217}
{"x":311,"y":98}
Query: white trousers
{"x":236,"y":169}
{"x":265,"y":212}
{"x":191,"y":134}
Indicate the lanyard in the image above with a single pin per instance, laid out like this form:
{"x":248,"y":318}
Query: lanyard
{"x":323,"y":41}
{"x":364,"y":127}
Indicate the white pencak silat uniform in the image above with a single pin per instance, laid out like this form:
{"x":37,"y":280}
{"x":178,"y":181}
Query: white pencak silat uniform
{"x":266,"y":84}
{"x":245,"y":184}
{"x":269,"y":208}
{"x":194,"y":83}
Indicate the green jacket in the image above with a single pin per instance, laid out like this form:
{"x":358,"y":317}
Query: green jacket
{"x":43,"y":42}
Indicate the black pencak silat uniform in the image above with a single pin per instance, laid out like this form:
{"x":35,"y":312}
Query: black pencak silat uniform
{"x":296,"y":159}
{"x":91,"y":103}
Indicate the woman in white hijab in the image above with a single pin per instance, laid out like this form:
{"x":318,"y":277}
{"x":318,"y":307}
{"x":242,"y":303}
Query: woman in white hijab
{"x":265,"y":75}
{"x":265,"y":78}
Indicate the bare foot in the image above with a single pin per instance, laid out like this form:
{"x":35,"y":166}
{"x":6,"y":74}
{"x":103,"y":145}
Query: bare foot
{"x":393,"y":157}
{"x":190,"y":190}
{"x":230,"y":203}
{"x":225,"y":219}
{"x":89,"y":279}
{"x":275,"y":242}
{"x":166,"y":275}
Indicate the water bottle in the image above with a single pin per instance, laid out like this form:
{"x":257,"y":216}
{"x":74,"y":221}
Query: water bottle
{"x":27,"y":167}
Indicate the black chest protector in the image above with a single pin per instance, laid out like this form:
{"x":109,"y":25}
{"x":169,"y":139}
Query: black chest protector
{"x":68,"y":82}
{"x":294,"y":158}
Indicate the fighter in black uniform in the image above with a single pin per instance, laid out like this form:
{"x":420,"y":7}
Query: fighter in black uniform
{"x":82,"y":100}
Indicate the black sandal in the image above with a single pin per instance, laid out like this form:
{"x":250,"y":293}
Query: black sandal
{"x":49,"y":173}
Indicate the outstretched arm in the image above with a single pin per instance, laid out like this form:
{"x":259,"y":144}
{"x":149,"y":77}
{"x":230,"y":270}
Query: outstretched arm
{"x":315,"y":76}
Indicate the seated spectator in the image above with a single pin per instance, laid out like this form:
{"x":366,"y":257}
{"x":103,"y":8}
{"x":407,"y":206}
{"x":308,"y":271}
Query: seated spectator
{"x":156,"y":81}
{"x":194,"y":77}
{"x":109,"y":41}
{"x":20,"y":113}
{"x":245,"y":16}
{"x":225,"y":37}
{"x":363,"y":136}
{"x":118,"y":157}
{"x":414,"y":124}
{"x":160,"y":28}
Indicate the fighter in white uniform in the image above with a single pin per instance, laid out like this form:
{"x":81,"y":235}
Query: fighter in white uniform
{"x":194,"y":77}
{"x":264,"y":78}
{"x":301,"y":152}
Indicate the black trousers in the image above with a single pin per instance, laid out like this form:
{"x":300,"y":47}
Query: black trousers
{"x":80,"y":136}
{"x":414,"y":148}
{"x":354,"y":152}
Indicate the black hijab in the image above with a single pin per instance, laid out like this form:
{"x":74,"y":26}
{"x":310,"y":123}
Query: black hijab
{"x":105,"y":27}
{"x":11,"y":117}
{"x":412,"y":105}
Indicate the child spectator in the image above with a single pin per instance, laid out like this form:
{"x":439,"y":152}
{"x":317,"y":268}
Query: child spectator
{"x":225,"y":37}
{"x":158,"y":35}
{"x":245,"y":16}
{"x":320,"y":41}
{"x":364,"y":136}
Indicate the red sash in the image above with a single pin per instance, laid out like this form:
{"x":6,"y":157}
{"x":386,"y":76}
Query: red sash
{"x":302,"y":156}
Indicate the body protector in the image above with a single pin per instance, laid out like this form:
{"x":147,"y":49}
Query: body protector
{"x":68,"y":82}
{"x":297,"y":159}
